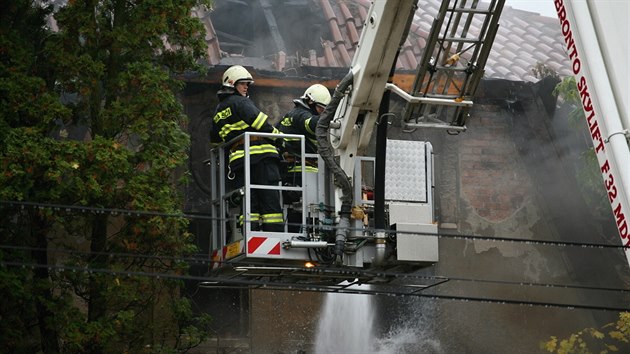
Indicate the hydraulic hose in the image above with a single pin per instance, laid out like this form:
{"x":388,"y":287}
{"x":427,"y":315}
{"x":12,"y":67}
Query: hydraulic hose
{"x":326,"y":151}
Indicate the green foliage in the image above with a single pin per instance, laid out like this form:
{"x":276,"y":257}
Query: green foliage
{"x":567,"y":89}
{"x":587,"y":168}
{"x":590,"y":181}
{"x":542,"y":71}
{"x":108,"y":46}
{"x":24,"y":98}
{"x":108,"y":72}
{"x":611,"y":338}
{"x":17,"y":293}
{"x":39,"y":168}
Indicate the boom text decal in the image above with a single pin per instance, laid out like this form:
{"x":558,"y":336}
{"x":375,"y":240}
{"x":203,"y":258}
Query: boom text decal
{"x":592,"y":119}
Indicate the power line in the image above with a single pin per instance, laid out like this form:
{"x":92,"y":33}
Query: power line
{"x":266,"y":285}
{"x":203,"y":260}
{"x":203,"y":216}
{"x":392,"y":275}
{"x":534,"y":284}
{"x":101,"y":210}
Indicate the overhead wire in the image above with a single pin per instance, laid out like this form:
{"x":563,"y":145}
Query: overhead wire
{"x":204,"y":260}
{"x":259,"y":284}
{"x":205,"y":216}
{"x":101,"y":210}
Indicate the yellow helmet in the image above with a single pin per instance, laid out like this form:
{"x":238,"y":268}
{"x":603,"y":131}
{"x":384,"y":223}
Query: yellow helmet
{"x":236,"y":73}
{"x":317,"y":93}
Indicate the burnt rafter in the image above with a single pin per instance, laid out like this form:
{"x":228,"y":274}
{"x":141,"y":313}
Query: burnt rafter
{"x":235,"y":39}
{"x":273,"y":25}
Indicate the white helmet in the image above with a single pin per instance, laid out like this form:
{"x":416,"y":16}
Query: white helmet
{"x":317,"y":93}
{"x":236,"y":73}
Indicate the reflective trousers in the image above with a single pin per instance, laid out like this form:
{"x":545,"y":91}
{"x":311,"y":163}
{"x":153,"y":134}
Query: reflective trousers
{"x":265,"y":203}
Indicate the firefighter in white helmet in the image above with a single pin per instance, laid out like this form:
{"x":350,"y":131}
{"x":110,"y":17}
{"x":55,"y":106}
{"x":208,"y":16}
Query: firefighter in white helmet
{"x":301,"y":120}
{"x":236,"y":114}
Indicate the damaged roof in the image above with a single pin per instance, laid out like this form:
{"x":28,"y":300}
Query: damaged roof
{"x":292,"y":37}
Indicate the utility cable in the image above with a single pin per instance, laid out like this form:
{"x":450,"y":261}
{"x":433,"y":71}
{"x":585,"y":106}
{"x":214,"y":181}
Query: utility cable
{"x":266,"y":285}
{"x":204,"y":216}
{"x":101,"y":210}
{"x":204,"y":259}
{"x":359,"y":272}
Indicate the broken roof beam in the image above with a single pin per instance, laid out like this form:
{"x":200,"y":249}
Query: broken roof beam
{"x":273,"y":26}
{"x":237,"y":39}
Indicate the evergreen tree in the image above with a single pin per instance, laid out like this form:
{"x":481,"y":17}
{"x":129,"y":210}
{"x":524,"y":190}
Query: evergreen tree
{"x":89,"y":117}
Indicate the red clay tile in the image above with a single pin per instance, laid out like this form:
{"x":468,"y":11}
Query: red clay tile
{"x":353,"y":34}
{"x":344,"y":22}
{"x":343,"y":53}
{"x":312,"y":58}
{"x":328,"y":54}
{"x":363,"y":16}
{"x":330,"y":15}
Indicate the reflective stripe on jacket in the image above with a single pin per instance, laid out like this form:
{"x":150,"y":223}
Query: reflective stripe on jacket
{"x":300,"y":121}
{"x":298,"y":169}
{"x":236,"y":115}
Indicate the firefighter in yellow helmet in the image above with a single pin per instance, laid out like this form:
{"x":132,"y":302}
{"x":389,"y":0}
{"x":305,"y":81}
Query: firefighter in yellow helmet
{"x":301,"y":120}
{"x":236,"y":114}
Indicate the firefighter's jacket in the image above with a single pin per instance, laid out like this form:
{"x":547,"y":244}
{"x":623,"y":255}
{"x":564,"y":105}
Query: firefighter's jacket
{"x":236,"y":115}
{"x":300,"y":121}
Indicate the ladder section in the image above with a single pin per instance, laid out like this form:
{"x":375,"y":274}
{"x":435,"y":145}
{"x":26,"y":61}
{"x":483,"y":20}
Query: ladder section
{"x":452,"y":65}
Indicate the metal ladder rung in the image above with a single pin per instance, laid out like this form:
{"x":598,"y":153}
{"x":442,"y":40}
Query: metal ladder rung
{"x":451,"y":68}
{"x":462,"y":40}
{"x":470,"y":10}
{"x":438,"y":85}
{"x":435,"y":125}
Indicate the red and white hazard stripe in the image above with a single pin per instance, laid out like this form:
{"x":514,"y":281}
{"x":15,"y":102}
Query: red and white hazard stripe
{"x":258,"y":245}
{"x":216,"y":259}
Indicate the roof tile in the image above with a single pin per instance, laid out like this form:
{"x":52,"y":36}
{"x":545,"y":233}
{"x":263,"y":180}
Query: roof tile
{"x":328,"y":54}
{"x":329,"y":13}
{"x":351,"y":28}
{"x":312,"y":57}
{"x":528,"y":47}
{"x":363,"y":15}
{"x":523,"y":39}
{"x":408,"y":59}
{"x":522,"y":63}
{"x":343,"y":54}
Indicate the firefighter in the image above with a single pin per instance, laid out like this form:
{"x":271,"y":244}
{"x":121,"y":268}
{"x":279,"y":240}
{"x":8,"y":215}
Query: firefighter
{"x":301,"y":120}
{"x":236,"y":114}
